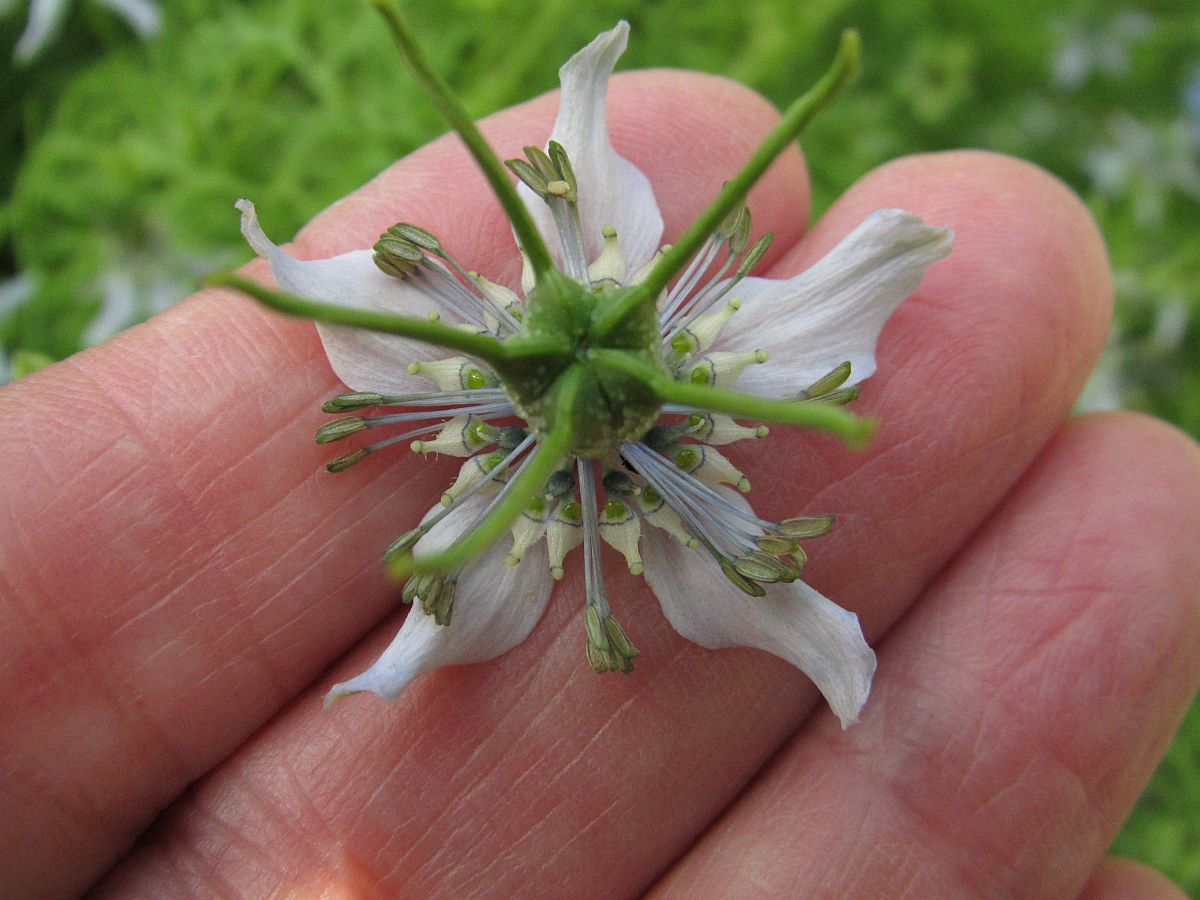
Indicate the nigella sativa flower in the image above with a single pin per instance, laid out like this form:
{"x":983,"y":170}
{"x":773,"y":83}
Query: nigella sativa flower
{"x":46,"y":18}
{"x":594,"y":407}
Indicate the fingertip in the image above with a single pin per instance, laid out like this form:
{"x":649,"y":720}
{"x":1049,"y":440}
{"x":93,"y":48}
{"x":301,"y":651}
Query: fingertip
{"x":1019,"y":232}
{"x":1013,"y":320}
{"x":1152,"y":444}
{"x":1120,"y":878}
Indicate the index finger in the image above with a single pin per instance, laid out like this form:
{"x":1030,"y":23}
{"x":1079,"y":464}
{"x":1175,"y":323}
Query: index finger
{"x":175,"y":566}
{"x":530,"y":771}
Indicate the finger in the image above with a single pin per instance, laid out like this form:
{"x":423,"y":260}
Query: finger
{"x":175,"y":565}
{"x":1126,"y":879}
{"x":530,"y":770}
{"x":1020,"y":708}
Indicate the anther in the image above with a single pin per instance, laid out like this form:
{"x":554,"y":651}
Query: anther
{"x":739,"y":235}
{"x":416,"y":235}
{"x":806,"y":526}
{"x":356,"y":400}
{"x":609,"y":648}
{"x":340,"y":428}
{"x":397,"y":256}
{"x":438,"y":599}
{"x":342,"y":463}
{"x":840,"y":397}
{"x":405,"y":542}
{"x":828,"y":383}
{"x":755,"y":255}
{"x":741,"y":582}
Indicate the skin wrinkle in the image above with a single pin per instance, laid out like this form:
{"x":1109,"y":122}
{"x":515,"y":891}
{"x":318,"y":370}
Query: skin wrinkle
{"x":1090,"y":790}
{"x":913,"y":798}
{"x":147,"y":724}
{"x":477,"y":781}
{"x":386,"y":784}
{"x":86,"y":811}
{"x":515,"y":846}
{"x":313,"y":559}
{"x":535,"y":762}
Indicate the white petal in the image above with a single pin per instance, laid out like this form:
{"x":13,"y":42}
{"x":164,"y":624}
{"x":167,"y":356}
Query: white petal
{"x":835,"y":310}
{"x":45,"y":18}
{"x":363,"y":360}
{"x":612,"y":190}
{"x":143,"y":16}
{"x":792,"y":621}
{"x":495,"y":608}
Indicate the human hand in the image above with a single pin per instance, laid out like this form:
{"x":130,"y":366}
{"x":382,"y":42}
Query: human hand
{"x":178,"y":573}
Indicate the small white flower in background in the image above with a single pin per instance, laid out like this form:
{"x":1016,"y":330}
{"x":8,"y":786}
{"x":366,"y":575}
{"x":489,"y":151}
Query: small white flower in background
{"x":46,"y":18}
{"x":662,"y":494}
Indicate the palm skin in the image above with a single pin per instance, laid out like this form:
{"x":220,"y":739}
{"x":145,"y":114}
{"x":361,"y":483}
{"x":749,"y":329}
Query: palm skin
{"x":178,"y":577}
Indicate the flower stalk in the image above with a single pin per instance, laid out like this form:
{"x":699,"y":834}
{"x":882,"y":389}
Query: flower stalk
{"x":443,"y":98}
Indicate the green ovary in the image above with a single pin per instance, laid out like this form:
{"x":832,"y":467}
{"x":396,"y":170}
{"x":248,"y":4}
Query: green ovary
{"x":612,"y":406}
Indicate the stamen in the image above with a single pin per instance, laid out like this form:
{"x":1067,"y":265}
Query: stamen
{"x":840,"y":397}
{"x":436,"y":593}
{"x":500,"y":296}
{"x":608,"y":648}
{"x":570,"y":237}
{"x":407,"y":541}
{"x":551,"y":177}
{"x":592,"y":574}
{"x":694,"y":303}
{"x":646,"y":458}
{"x":677,"y":295}
{"x":401,"y":252}
{"x":342,"y":463}
{"x":500,"y":309}
{"x":715,"y":290}
{"x":691,"y":501}
{"x":330,"y":430}
{"x":362,"y":400}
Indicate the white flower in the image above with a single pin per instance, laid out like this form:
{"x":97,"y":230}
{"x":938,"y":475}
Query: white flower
{"x":46,"y":17}
{"x":724,"y":576}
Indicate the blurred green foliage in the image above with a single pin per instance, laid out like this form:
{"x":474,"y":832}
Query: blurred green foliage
{"x":120,"y":160}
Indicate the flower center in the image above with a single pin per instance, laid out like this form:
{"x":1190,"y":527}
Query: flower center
{"x":611,"y":406}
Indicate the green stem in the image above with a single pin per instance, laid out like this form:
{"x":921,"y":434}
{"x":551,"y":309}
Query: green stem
{"x":797,"y":116}
{"x":552,"y":447}
{"x":481,"y":346}
{"x":854,"y":429}
{"x":443,"y":98}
